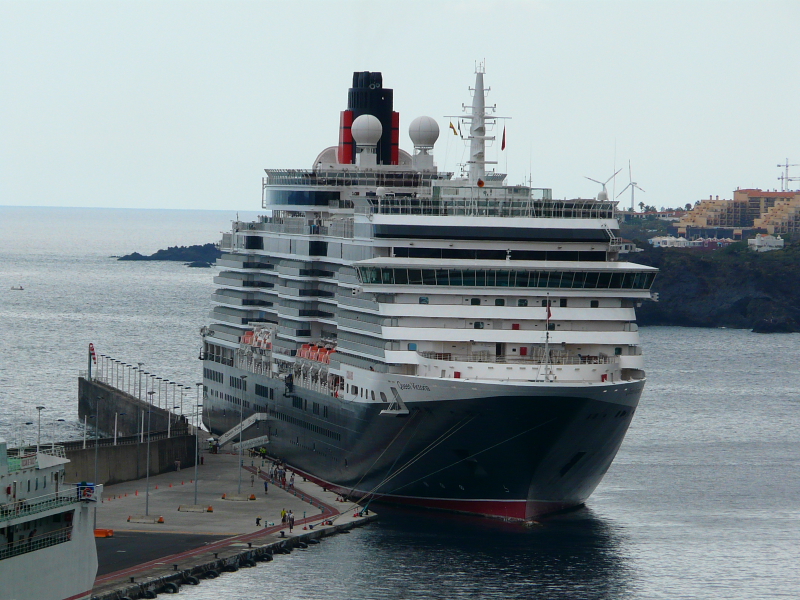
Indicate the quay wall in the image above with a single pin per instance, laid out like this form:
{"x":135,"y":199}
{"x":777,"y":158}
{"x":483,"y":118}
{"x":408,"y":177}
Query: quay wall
{"x":205,"y":566}
{"x":110,"y":401}
{"x":127,"y":460}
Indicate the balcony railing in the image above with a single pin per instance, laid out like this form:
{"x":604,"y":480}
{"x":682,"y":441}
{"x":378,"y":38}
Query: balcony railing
{"x":30,"y":506}
{"x":37,"y":542}
{"x":556,"y":358}
{"x":512,"y":206}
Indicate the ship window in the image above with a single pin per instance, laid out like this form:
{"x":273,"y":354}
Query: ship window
{"x":544,"y":303}
{"x":594,"y":304}
{"x":475,"y":302}
{"x":424,"y":300}
{"x":412,"y":346}
{"x":522,"y":302}
{"x":354,"y":389}
{"x":372,"y":394}
{"x":617,"y":351}
{"x":499,"y":302}
{"x":478,"y":325}
{"x":562,"y":303}
{"x":383,"y":397}
{"x":414,"y":277}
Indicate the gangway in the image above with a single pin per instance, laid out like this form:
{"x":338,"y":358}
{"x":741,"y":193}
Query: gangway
{"x":244,"y":425}
{"x":255,"y":442}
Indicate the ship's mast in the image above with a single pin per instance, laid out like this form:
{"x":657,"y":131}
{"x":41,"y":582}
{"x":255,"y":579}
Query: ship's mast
{"x":477,"y":131}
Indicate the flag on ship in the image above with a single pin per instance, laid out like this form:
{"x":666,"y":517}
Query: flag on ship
{"x":453,"y":127}
{"x":92,"y":354}
{"x":503,"y":144}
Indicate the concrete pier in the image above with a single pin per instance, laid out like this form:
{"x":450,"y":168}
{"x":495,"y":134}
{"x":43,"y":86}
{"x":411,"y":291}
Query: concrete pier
{"x":151,"y":555}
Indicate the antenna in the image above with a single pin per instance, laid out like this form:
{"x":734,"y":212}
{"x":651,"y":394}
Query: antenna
{"x":603,"y":195}
{"x":784,"y":178}
{"x":631,"y":184}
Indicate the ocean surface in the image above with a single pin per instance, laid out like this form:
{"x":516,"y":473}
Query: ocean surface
{"x":702,"y":501}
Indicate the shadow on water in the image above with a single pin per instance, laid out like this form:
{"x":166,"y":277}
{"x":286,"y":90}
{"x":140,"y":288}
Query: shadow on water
{"x":438,"y":555}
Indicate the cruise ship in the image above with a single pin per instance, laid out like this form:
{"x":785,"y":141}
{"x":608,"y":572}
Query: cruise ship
{"x":47,"y":546}
{"x":407,"y":335}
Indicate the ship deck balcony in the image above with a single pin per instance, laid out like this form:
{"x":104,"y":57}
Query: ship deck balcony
{"x":501,"y":203}
{"x":67,"y":494}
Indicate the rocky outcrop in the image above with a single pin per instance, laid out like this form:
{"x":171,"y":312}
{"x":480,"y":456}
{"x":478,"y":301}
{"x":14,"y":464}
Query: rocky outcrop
{"x":734,"y":287}
{"x":199,"y":256}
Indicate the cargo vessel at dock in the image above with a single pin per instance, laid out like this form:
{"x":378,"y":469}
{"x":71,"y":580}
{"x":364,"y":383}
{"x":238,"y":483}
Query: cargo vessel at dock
{"x":47,"y":546}
{"x":402,"y":334}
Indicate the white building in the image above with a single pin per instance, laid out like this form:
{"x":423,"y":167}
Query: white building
{"x":764,"y":242}
{"x":669,"y":241}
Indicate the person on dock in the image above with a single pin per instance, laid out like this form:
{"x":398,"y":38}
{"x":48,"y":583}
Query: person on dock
{"x":252,"y":479}
{"x":283,"y":517}
{"x":266,"y":486}
{"x":290,"y":518}
{"x":258,"y":521}
{"x":291,"y":482}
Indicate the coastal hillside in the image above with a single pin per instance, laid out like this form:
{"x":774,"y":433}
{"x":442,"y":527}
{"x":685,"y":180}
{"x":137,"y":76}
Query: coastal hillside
{"x":733,"y":287}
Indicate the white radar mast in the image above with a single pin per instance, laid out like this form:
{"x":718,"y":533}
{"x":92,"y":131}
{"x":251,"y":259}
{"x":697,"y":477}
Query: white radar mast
{"x":477,"y":131}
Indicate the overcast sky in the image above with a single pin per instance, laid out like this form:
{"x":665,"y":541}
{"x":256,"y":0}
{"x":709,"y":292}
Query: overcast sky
{"x":182,"y":104}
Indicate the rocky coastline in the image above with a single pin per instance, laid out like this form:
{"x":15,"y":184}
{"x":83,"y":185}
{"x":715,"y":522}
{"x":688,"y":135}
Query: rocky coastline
{"x":201,"y":255}
{"x":734,"y":287}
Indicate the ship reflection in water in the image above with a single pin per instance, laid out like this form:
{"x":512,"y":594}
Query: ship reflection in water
{"x":420,"y":555}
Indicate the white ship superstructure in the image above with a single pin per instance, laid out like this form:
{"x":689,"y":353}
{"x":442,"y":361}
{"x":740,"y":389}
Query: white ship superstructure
{"x":47,"y":546}
{"x":452,"y":342}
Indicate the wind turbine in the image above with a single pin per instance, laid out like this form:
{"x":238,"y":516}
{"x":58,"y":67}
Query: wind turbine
{"x":603,"y":195}
{"x":632,"y":184}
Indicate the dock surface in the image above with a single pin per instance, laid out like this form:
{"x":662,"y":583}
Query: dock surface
{"x":146,"y":553}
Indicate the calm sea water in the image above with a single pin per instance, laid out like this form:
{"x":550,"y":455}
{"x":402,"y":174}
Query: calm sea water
{"x":703,"y":500}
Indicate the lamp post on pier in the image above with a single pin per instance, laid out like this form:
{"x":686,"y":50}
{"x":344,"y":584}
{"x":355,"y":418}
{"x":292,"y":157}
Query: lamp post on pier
{"x":147,"y":488}
{"x":241,"y":421}
{"x":39,"y":432}
{"x":199,"y":409}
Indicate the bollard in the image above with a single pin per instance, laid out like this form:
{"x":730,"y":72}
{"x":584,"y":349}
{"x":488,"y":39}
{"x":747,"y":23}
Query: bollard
{"x":174,"y":567}
{"x":132,"y":580}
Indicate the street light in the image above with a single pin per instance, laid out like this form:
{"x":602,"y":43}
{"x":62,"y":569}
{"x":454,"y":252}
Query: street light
{"x":147,"y":489}
{"x":140,"y":379}
{"x":196,"y":439}
{"x":241,"y":421}
{"x":116,"y":414}
{"x":39,"y":432}
{"x":53,"y":443}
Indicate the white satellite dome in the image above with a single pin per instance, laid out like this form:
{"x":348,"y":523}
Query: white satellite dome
{"x":366,"y":130}
{"x":424,"y":131}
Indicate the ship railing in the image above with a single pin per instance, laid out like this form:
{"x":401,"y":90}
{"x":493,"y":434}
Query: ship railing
{"x":299,"y":225}
{"x":510,"y":207}
{"x":67,"y":494}
{"x":538,"y":359}
{"x":30,"y":544}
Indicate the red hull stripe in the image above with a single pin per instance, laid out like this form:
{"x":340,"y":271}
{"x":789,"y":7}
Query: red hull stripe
{"x":509,"y":509}
{"x":81,"y":595}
